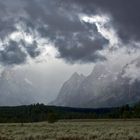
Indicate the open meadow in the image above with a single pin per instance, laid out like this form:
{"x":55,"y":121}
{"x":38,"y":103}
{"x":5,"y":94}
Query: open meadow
{"x":73,"y":130}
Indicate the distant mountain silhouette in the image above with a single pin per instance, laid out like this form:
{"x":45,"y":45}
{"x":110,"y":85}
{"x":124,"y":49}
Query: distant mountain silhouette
{"x":102,"y":88}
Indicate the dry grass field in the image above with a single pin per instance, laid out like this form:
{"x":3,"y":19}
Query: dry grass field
{"x":73,"y":130}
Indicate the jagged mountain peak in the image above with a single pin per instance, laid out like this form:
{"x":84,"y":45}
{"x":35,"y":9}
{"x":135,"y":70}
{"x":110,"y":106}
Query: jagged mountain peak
{"x":75,"y":74}
{"x":76,"y":77}
{"x":102,"y":88}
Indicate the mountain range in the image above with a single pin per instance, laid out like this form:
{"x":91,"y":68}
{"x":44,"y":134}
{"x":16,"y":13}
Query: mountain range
{"x":101,"y":88}
{"x":15,"y":89}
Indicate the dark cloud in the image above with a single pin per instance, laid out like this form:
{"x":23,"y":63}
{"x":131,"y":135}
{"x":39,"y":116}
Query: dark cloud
{"x":64,"y":28}
{"x":15,"y":53}
{"x":31,"y":49}
{"x":80,"y":48}
{"x":125,"y":14}
{"x":58,"y":21}
{"x":12,"y":54}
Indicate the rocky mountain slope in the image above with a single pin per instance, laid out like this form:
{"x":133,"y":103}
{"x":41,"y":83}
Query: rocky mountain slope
{"x":15,"y":89}
{"x":102,"y":88}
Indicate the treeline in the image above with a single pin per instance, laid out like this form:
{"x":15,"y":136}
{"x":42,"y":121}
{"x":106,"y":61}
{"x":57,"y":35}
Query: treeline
{"x":41,"y":112}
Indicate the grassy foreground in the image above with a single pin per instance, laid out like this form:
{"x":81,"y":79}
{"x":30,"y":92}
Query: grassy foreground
{"x":73,"y":130}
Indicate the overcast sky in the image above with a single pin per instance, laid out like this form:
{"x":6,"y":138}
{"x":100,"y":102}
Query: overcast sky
{"x":52,"y":39}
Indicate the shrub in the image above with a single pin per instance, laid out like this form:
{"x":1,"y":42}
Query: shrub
{"x":52,"y":117}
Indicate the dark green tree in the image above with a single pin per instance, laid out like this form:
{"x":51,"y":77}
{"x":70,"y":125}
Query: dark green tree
{"x":52,"y":117}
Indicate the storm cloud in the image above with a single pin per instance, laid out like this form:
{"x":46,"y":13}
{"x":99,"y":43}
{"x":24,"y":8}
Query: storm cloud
{"x":74,"y":39}
{"x":60,"y":23}
{"x":125,"y":14}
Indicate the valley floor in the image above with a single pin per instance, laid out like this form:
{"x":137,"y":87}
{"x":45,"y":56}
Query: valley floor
{"x":73,"y":130}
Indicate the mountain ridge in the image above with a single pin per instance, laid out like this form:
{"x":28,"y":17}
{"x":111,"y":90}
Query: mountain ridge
{"x":101,"y":88}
